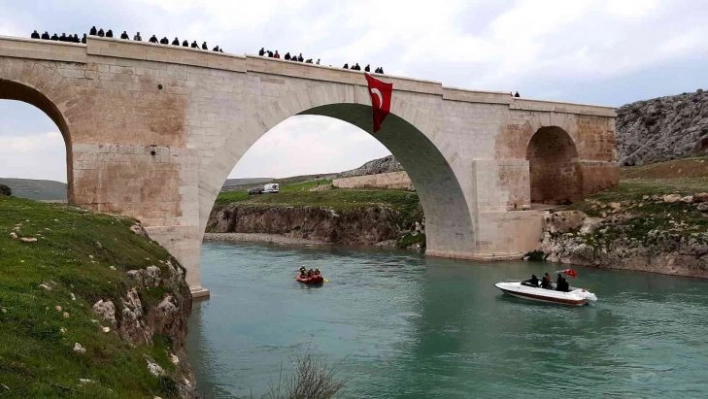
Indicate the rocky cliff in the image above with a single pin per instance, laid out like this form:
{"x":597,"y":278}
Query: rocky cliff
{"x":664,"y":234}
{"x":372,"y":225}
{"x":380,"y":165}
{"x":663,"y":128}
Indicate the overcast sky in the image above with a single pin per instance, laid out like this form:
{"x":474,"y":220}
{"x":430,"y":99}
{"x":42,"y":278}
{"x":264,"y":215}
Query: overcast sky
{"x":599,"y":52}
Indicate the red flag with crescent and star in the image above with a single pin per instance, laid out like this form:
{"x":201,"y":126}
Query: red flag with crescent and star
{"x":380,"y":93}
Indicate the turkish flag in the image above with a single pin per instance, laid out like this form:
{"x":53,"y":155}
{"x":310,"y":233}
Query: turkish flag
{"x":380,"y":93}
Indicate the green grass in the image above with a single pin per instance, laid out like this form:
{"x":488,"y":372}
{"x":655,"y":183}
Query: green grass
{"x":74,"y":252}
{"x":301,"y":195}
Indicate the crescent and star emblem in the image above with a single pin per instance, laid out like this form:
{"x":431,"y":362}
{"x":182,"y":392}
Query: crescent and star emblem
{"x":378,"y":94}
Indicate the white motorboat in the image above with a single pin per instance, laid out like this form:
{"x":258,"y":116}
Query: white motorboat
{"x":573,"y":297}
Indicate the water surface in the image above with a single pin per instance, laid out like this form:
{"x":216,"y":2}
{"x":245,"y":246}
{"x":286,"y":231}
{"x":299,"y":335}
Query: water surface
{"x":398,"y":325}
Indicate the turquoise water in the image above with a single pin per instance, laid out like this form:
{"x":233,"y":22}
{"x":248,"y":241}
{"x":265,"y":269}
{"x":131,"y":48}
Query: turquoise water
{"x":397,"y":325}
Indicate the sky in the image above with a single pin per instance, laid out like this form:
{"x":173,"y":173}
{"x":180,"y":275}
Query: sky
{"x":605,"y":52}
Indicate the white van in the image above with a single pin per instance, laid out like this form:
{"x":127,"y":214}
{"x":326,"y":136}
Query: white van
{"x":271,"y":188}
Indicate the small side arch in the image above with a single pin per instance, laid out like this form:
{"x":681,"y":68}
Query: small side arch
{"x":10,"y":90}
{"x":553,"y":167}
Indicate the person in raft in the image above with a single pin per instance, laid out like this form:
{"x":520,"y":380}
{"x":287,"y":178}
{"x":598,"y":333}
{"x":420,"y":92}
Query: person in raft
{"x":303,"y":271}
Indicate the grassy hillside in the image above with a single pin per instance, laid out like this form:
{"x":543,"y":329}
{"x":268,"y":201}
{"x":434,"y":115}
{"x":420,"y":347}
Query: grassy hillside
{"x":40,"y":190}
{"x":308,"y":194}
{"x":82,"y":257}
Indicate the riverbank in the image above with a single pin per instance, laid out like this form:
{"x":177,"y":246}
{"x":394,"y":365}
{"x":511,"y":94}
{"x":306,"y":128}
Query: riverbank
{"x":655,"y":221}
{"x":264,"y":238}
{"x":89,"y":307}
{"x":314,"y":212}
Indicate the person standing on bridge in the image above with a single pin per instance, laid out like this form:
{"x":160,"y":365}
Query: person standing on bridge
{"x":109,"y":33}
{"x":204,"y":46}
{"x":45,"y":35}
{"x":276,"y":55}
{"x":93,"y":32}
{"x":124,"y":36}
{"x":517,"y":94}
{"x":137,"y":37}
{"x":367,"y":68}
{"x":175,"y":42}
{"x":83,"y":39}
{"x":261,"y":52}
{"x":35,"y":34}
{"x":287,"y":56}
{"x":101,"y":33}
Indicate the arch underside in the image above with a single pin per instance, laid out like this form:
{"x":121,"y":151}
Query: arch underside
{"x":553,"y":167}
{"x":448,"y":223}
{"x":10,"y":90}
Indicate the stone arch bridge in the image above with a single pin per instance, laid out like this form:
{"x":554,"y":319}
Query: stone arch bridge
{"x":152,"y":132}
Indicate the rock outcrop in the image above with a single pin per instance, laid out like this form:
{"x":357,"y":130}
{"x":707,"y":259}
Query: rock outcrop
{"x":663,"y":129}
{"x":380,"y":165}
{"x":619,"y":241}
{"x":357,"y":226}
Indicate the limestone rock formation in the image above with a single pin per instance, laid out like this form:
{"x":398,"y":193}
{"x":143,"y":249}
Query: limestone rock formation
{"x":663,"y":128}
{"x":380,"y":165}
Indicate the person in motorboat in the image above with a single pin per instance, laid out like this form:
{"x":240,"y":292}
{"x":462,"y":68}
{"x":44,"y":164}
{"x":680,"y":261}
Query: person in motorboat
{"x":546,"y":282}
{"x":532,"y":282}
{"x":562,"y":284}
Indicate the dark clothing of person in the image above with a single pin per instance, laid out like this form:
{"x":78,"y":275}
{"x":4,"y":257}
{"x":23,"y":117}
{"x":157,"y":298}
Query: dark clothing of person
{"x":299,"y":58}
{"x":216,"y":49}
{"x":109,"y":33}
{"x":356,"y":67}
{"x":75,"y":38}
{"x":153,"y":39}
{"x":204,"y":46}
{"x":93,"y":32}
{"x":221,"y":50}
{"x":100,"y":33}
{"x":287,"y":56}
{"x":367,"y":68}
{"x":261,"y":52}
{"x":381,"y":70}
{"x":185,"y":44}
{"x":45,"y":36}
{"x":137,"y":37}
{"x":562,"y":284}
{"x":55,"y":37}
{"x":164,"y":40}
{"x":35,"y":35}
{"x":346,"y":66}
{"x":546,"y":282}
{"x":175,"y":42}
{"x":124,"y":36}
{"x":517,"y":94}
{"x":532,"y":282}
{"x":309,"y":61}
{"x":83,"y":39}
{"x":270,"y":54}
{"x":195,"y":45}
{"x":63,"y":38}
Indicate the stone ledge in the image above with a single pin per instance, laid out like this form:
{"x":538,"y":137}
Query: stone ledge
{"x":200,"y":293}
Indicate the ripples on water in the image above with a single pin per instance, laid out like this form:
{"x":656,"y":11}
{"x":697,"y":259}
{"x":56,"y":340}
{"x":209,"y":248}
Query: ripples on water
{"x":397,"y":325}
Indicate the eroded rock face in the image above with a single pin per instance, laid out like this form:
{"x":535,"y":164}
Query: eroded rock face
{"x":106,"y":309}
{"x":663,"y":129}
{"x":380,"y":165}
{"x":365,"y":226}
{"x":664,"y":252}
{"x":138,"y":318}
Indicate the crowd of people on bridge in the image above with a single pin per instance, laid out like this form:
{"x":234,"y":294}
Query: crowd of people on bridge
{"x":299,"y":58}
{"x":124,"y":36}
{"x":70,"y":38}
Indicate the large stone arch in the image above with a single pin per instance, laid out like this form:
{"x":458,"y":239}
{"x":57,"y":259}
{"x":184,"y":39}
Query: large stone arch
{"x":554,"y":175}
{"x":406,"y":133}
{"x":11,"y":90}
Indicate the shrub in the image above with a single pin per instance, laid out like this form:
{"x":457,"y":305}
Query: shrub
{"x":5,"y":190}
{"x":312,"y":380}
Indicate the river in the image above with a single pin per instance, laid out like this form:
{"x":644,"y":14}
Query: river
{"x":399,"y":325}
